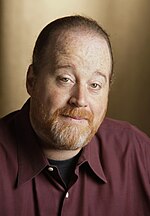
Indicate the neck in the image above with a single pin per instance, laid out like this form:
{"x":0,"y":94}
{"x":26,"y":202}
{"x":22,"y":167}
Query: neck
{"x":60,"y":154}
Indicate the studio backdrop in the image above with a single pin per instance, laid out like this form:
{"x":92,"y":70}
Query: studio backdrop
{"x":126,"y":21}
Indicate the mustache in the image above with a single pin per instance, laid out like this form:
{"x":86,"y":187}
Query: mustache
{"x":76,"y":113}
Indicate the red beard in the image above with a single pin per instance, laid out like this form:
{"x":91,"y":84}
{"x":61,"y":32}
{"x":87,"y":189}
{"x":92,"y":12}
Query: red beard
{"x":59,"y":134}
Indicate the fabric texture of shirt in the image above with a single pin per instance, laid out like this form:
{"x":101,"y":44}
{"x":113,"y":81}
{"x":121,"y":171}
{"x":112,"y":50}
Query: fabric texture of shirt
{"x":111,"y":178}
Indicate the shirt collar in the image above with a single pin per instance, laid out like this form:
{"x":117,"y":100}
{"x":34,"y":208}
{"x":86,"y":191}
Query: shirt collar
{"x":31,"y":160}
{"x":92,"y":155}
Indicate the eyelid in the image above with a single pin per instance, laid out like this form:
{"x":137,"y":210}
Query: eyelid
{"x":63,"y":77}
{"x":98,"y":85}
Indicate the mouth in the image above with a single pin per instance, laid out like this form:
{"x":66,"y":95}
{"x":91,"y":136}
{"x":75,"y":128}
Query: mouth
{"x":75,"y":119}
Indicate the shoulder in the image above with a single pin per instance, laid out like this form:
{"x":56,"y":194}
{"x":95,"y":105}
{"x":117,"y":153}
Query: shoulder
{"x":7,"y":132}
{"x":122,"y":130}
{"x":7,"y":123}
{"x":124,"y":142}
{"x":13,"y":121}
{"x":122,"y":136}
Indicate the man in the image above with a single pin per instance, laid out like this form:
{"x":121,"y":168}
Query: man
{"x":59,"y":154}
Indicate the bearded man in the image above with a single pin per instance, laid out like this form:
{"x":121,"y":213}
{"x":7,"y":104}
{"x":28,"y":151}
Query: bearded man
{"x":59,"y":154}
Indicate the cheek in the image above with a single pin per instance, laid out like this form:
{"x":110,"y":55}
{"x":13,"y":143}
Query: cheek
{"x":99,"y":110}
{"x":98,"y":114}
{"x":55,"y":100}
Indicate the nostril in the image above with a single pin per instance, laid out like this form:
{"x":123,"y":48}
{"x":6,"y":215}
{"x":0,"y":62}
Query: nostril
{"x":78,"y":96}
{"x":77,"y":102}
{"x":73,"y":102}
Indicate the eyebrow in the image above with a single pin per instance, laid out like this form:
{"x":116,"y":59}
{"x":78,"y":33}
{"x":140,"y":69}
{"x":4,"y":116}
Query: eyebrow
{"x":101,"y":74}
{"x":64,"y":66}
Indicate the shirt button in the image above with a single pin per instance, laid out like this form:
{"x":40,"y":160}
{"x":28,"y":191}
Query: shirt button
{"x":50,"y":169}
{"x":67,"y":195}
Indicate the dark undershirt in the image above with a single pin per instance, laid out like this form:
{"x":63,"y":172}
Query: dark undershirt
{"x":65,"y":167}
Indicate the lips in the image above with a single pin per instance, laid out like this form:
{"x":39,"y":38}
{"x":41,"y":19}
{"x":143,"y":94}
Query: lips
{"x":75,"y":117}
{"x":77,"y":114}
{"x":78,"y":118}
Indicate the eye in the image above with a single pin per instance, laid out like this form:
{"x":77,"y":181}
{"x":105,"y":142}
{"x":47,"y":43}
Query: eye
{"x":95,"y":86}
{"x":64,"y":80}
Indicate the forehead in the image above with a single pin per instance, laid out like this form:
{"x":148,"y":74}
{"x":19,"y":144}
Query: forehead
{"x":72,"y":40}
{"x":86,"y":46}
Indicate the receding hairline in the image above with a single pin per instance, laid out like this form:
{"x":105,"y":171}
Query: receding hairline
{"x":60,"y":35}
{"x":66,"y":24}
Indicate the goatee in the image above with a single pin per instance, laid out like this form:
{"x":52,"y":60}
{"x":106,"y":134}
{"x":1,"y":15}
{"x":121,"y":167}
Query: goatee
{"x":60,"y":134}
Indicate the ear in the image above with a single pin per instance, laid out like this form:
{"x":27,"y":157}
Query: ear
{"x":30,"y":80}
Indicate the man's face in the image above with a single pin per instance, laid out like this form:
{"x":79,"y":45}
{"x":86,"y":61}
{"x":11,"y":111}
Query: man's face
{"x":70,"y":94}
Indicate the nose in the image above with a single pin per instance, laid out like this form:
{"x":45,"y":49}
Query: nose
{"x":79,"y":96}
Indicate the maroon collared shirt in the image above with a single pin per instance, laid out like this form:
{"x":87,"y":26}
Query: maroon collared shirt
{"x":111,"y":178}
